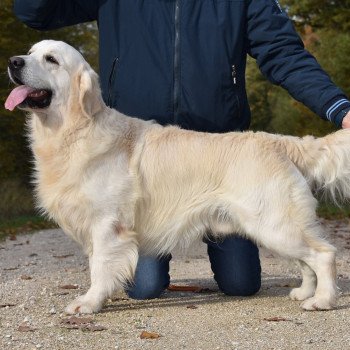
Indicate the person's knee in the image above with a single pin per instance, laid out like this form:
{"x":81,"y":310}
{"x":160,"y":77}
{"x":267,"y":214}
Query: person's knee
{"x":240,"y":288}
{"x":150,"y":290}
{"x":151,"y":278}
{"x":236,"y":266}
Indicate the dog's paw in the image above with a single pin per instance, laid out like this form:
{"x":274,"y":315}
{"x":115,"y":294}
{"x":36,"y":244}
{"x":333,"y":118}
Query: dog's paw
{"x":301,"y":293}
{"x":315,"y":304}
{"x":82,"y":305}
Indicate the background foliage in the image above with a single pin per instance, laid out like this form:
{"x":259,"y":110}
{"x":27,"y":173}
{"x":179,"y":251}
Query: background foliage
{"x":323,"y":24}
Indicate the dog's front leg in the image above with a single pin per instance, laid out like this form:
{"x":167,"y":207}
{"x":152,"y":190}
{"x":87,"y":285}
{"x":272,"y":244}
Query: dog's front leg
{"x":112,"y":264}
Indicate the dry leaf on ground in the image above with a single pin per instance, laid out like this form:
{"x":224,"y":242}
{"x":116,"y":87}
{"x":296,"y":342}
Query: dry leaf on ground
{"x":84,"y":323}
{"x":25,"y":327}
{"x":149,"y":335}
{"x":76,"y":320}
{"x":26,"y":277}
{"x":175,"y":288}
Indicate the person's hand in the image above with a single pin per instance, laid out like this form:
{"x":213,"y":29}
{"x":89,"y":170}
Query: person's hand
{"x":346,"y":121}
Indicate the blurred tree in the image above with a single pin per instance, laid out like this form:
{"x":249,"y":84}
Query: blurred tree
{"x":259,"y":91}
{"x":330,"y":14}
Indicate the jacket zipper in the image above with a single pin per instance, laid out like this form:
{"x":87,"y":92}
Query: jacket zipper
{"x":111,"y":80}
{"x":177,"y":59}
{"x":234,"y":80}
{"x":234,"y":75}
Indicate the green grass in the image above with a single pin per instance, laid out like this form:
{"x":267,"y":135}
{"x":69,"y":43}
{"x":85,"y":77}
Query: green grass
{"x":332,"y":211}
{"x":23,"y":224}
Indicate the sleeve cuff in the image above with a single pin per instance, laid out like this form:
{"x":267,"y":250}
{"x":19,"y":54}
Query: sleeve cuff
{"x":337,"y":107}
{"x":338,"y":118}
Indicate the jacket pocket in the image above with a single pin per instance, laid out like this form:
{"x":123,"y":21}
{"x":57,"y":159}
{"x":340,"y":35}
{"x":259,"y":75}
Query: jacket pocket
{"x":111,"y":80}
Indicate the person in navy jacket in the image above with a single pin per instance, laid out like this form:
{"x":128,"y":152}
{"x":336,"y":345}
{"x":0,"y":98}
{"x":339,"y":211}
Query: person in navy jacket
{"x":183,"y":62}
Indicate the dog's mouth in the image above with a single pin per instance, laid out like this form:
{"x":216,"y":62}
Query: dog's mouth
{"x":24,"y":96}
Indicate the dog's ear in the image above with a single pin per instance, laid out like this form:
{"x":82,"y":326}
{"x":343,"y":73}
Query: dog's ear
{"x":90,"y":99}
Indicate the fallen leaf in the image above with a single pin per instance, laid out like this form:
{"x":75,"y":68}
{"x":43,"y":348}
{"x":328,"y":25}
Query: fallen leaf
{"x":149,"y":335}
{"x":93,"y":328}
{"x":85,"y":324}
{"x":69,"y":286}
{"x":175,"y":288}
{"x":26,"y":277}
{"x":13,"y":238}
{"x":74,"y":320}
{"x":275,"y":319}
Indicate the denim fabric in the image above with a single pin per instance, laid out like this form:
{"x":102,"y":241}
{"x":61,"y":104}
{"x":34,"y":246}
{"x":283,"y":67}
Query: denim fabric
{"x":151,"y":277}
{"x":234,"y":262}
{"x":236,"y":266}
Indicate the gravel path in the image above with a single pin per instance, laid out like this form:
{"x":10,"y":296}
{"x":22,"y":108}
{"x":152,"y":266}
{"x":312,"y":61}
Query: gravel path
{"x":42,"y":272}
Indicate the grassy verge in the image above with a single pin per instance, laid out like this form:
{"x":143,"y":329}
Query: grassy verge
{"x":23,"y":224}
{"x":332,"y":212}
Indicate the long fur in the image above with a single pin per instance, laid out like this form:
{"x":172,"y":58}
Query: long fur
{"x":120,"y":185}
{"x":324,"y":162}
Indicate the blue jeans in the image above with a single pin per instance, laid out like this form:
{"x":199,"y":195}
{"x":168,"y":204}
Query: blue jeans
{"x":234,"y":261}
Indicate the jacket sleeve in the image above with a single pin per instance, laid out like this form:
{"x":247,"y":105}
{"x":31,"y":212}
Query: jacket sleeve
{"x":282,"y":58}
{"x":53,"y":14}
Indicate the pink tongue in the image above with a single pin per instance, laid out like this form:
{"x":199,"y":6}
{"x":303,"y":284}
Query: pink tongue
{"x":17,"y":96}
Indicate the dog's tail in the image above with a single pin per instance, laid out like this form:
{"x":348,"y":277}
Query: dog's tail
{"x":324,"y":162}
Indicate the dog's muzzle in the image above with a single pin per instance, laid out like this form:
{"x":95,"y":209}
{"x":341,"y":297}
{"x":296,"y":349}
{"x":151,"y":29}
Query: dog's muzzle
{"x":25,"y":96}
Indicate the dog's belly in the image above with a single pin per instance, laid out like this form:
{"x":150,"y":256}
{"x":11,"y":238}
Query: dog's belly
{"x":163,"y":230}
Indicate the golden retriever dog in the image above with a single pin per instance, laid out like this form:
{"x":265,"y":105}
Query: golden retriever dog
{"x":120,"y":185}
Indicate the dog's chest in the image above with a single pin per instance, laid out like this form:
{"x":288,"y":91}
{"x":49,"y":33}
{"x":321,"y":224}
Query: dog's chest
{"x":77,"y":195}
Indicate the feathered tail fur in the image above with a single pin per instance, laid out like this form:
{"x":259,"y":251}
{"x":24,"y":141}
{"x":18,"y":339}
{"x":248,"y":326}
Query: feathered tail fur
{"x":324,"y":162}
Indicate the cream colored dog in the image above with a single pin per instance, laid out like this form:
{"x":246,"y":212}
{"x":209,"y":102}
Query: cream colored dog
{"x":119,"y":185}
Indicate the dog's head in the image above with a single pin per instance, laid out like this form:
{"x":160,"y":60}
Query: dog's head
{"x":55,"y":80}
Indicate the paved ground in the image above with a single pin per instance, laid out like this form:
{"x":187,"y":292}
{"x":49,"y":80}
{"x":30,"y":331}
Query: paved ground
{"x":36,"y":270}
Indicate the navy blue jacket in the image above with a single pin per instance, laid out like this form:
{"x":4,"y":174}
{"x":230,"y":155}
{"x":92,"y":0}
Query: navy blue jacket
{"x":183,"y":61}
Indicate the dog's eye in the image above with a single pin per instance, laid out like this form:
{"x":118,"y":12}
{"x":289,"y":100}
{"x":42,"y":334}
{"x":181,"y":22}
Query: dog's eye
{"x":51,"y":59}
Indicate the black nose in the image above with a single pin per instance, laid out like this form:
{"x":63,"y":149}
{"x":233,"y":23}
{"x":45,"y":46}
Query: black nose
{"x":16,"y":62}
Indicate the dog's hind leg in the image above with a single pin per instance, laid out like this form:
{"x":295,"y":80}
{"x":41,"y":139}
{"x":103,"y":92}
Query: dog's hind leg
{"x":303,"y":242}
{"x":318,"y":265}
{"x":308,"y":285}
{"x":112,"y":264}
{"x":287,"y":224}
{"x":322,"y":260}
